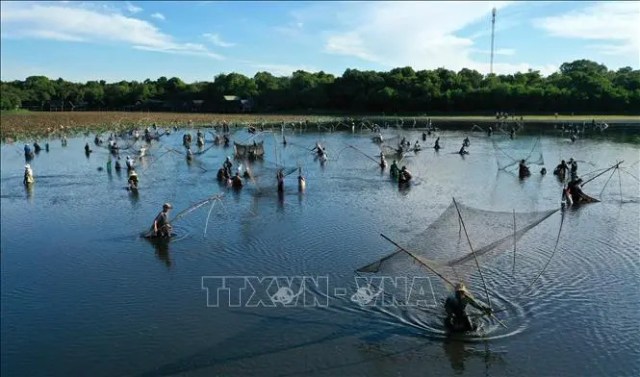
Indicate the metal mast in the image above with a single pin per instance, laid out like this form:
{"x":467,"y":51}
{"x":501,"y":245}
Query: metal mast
{"x":493,"y":29}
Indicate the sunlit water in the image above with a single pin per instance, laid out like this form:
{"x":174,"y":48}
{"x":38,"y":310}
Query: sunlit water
{"x":83,"y":294}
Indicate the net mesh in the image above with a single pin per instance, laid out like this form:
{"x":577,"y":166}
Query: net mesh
{"x":249,"y":150}
{"x":444,"y":246}
{"x":509,"y":155}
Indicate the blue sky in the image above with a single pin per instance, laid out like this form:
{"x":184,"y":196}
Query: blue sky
{"x":197,"y":40}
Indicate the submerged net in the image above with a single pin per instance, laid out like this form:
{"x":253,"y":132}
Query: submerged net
{"x":444,"y":247}
{"x":512,"y":152}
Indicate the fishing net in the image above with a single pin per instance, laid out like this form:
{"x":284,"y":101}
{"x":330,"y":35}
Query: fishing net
{"x":255,"y":150}
{"x":396,"y":153}
{"x":443,"y":246}
{"x":511,"y":152}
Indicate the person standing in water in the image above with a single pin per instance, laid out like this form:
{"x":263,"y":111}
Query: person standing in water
{"x":161,"y":226}
{"x":574,"y":168}
{"x":404,"y":175}
{"x":236,"y":181}
{"x":302,"y":184}
{"x":318,"y":149}
{"x":28,"y":175}
{"x":394,"y":170}
{"x":523,"y":169}
{"x":133,"y":180}
{"x":130,"y":163}
{"x":28,"y":153}
{"x":383,"y":161}
{"x":227,"y":165}
{"x":455,"y":306}
{"x":280,"y":179}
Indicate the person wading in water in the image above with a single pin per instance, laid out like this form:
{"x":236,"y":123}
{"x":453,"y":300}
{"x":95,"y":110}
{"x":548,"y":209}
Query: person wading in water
{"x":161,"y":226}
{"x":456,"y":304}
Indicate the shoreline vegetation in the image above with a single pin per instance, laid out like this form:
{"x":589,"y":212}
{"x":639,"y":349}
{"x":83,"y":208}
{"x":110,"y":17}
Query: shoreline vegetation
{"x":22,"y":125}
{"x":43,"y":107}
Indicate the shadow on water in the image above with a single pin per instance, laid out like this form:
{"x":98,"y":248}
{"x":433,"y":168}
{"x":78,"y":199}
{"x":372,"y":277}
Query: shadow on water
{"x":134,"y":197}
{"x":457,"y":351}
{"x":29,"y":189}
{"x":161,"y":247}
{"x":281,"y":201}
{"x":269,"y":327}
{"x":372,"y":334}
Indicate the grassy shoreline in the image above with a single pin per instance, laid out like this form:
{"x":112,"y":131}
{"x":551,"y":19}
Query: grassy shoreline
{"x":25,"y":124}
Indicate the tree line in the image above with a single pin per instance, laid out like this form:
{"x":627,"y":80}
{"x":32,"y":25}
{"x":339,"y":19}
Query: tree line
{"x":581,"y":86}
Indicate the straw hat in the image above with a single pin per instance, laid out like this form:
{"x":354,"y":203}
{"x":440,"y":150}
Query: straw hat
{"x":461,"y":288}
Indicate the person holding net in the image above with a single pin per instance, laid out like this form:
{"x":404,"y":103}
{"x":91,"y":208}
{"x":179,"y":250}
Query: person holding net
{"x":456,"y":304}
{"x":161,"y":226}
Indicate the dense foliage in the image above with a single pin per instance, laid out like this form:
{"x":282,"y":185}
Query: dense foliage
{"x":581,"y":86}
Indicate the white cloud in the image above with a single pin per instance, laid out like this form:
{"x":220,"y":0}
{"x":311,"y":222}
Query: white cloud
{"x":158,"y":16}
{"x":615,"y":22}
{"x":217,"y":40}
{"x":417,"y":34}
{"x":67,"y":22}
{"x":349,"y":44}
{"x":132,"y":8}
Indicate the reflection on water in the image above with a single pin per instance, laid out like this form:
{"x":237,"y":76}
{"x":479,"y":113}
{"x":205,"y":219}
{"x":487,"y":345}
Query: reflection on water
{"x":162,"y":250}
{"x":29,"y":190}
{"x":456,"y":352}
{"x":81,"y":279}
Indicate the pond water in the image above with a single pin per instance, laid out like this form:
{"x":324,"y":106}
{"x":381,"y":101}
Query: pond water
{"x":84,"y":294}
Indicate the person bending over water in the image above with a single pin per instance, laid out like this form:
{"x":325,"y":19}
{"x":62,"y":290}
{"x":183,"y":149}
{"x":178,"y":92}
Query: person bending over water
{"x":404,"y":175}
{"x":161,"y":226}
{"x":236,"y":181}
{"x":456,"y":305}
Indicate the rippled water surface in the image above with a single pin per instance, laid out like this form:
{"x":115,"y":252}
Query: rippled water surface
{"x":83,"y":294}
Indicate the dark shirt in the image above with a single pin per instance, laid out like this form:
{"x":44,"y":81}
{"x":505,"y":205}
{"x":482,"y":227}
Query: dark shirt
{"x":161,"y":220}
{"x":457,"y":304}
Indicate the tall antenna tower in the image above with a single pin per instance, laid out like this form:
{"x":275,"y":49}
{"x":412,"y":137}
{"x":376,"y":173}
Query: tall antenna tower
{"x":493,"y":30}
